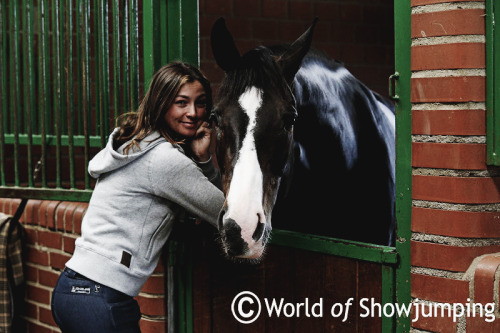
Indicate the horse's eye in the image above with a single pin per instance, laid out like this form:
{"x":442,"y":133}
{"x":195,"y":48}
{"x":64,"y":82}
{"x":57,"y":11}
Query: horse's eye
{"x":288,"y":121}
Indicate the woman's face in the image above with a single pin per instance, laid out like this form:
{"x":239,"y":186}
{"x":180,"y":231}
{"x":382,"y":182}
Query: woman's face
{"x":188,"y":111}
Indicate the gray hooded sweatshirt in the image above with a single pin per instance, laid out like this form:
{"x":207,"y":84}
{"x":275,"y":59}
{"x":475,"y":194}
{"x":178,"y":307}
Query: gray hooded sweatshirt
{"x":133,"y":206}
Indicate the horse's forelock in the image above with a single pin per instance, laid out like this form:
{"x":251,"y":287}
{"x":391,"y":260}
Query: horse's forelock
{"x":258,"y":68}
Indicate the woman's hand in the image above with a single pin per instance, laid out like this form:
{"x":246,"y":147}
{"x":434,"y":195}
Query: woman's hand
{"x":200,"y":144}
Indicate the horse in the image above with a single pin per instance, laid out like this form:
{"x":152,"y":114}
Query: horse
{"x":302,"y":142}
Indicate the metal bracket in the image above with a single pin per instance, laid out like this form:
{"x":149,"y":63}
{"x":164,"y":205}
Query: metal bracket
{"x":392,"y":86}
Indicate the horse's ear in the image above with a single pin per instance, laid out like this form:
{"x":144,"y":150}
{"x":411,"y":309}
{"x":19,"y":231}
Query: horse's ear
{"x":291,"y":60}
{"x":223,"y":47}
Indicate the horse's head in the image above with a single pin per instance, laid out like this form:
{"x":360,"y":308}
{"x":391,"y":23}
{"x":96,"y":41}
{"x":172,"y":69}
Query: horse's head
{"x":254,"y":116}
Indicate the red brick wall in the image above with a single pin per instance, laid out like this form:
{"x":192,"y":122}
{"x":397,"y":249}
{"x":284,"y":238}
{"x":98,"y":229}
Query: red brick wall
{"x":455,"y":194}
{"x":52,"y":228}
{"x":359,"y":33}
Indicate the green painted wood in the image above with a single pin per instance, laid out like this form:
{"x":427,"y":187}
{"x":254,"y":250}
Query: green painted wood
{"x":402,"y":28}
{"x":492,"y":86}
{"x":45,"y":193}
{"x":337,"y":247}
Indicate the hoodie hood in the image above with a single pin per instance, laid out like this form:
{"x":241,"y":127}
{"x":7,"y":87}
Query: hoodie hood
{"x":109,"y":159}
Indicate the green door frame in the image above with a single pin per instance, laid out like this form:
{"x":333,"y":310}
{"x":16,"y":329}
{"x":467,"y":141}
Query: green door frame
{"x":402,"y":47}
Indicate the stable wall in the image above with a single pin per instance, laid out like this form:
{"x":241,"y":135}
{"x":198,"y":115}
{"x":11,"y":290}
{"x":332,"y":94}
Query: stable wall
{"x":456,"y":201}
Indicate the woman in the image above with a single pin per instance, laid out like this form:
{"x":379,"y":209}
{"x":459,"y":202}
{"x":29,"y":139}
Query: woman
{"x":155,"y":166}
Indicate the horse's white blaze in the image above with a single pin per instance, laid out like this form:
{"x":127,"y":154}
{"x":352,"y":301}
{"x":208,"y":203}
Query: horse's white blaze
{"x":244,"y":199}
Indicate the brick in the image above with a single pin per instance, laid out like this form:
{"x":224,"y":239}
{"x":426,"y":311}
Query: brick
{"x":154,"y":285}
{"x":265,"y":29}
{"x":31,"y":273}
{"x":351,"y":13}
{"x":60,"y":213}
{"x":153,"y":326}
{"x":219,"y":7}
{"x":449,"y":155}
{"x":479,"y":324}
{"x":439,"y":289}
{"x":31,"y":236}
{"x":301,"y":10}
{"x":78,"y":217}
{"x":456,"y":223}
{"x":69,"y":244}
{"x":449,"y":122}
{"x":58,"y":260}
{"x":48,"y":278}
{"x":50,"y":239}
{"x":46,"y":213}
{"x":275,"y":9}
{"x":31,"y":211}
{"x":448,"y":89}
{"x":248,"y":8}
{"x":31,"y":310}
{"x":434,"y":323}
{"x":447,"y":257}
{"x":152,"y":306}
{"x":36,"y":256}
{"x":39,"y":295}
{"x":35,"y":327}
{"x":471,"y":190}
{"x":484,"y":278}
{"x":328,"y":11}
{"x":448,"y":23}
{"x":46,"y":316}
{"x":448,"y":56}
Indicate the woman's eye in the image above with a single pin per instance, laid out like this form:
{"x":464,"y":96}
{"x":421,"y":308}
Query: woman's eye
{"x":201,"y":104}
{"x":181,"y":103}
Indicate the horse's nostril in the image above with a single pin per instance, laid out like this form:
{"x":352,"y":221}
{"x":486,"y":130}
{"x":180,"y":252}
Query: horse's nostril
{"x":259,"y":231}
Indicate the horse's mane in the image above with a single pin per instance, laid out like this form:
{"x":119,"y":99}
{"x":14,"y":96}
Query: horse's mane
{"x":257,"y":68}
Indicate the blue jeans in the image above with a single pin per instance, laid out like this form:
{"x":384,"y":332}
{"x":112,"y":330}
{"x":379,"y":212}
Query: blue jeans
{"x":82,"y":305}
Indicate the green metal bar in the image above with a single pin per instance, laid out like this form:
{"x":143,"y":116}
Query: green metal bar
{"x":86,"y":98}
{"x":57,"y":86}
{"x":79,"y":67}
{"x":97,"y":68}
{"x":43,"y":83}
{"x":338,"y":247}
{"x":134,"y":54}
{"x":125,"y":58}
{"x":15,"y":106}
{"x":402,"y":26}
{"x":69,"y":95}
{"x":29,"y":84}
{"x":45,"y":193}
{"x":102,"y":40}
{"x":492,"y":89}
{"x":4,"y":85}
{"x":152,"y":47}
{"x":116,"y":58}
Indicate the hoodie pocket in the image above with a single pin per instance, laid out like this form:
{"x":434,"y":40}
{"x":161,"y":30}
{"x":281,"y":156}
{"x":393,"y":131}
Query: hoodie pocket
{"x":158,"y":237}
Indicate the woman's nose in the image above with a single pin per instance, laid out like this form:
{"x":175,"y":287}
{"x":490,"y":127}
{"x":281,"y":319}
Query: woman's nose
{"x":191,"y":112}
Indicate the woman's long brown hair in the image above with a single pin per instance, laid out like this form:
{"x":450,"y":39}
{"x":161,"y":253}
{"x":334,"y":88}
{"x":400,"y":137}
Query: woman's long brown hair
{"x":149,"y":117}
